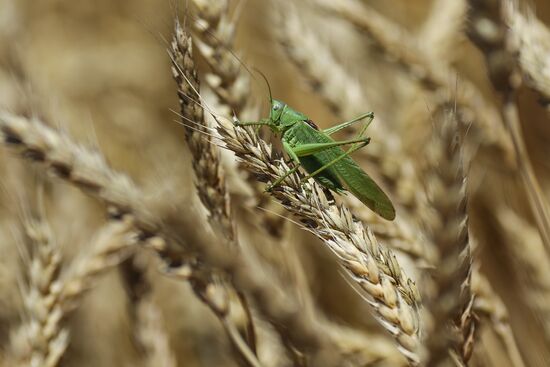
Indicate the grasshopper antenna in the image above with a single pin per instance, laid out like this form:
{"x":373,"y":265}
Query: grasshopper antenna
{"x":266,"y":82}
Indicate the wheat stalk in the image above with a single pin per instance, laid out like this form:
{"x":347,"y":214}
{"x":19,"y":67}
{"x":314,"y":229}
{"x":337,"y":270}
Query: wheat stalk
{"x":375,"y":269}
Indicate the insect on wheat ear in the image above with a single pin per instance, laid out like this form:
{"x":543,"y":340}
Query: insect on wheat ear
{"x":323,"y":158}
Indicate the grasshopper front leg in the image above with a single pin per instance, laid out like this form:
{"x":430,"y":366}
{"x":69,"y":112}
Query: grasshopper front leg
{"x":296,"y":161}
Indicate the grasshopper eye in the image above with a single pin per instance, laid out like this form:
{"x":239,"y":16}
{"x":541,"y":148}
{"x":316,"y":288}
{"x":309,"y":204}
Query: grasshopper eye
{"x":276,"y":107}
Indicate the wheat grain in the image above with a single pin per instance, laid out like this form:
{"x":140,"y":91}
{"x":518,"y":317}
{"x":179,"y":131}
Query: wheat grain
{"x":376,"y":270}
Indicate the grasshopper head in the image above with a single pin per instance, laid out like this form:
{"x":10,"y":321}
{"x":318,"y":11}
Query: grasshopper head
{"x":277,"y":108}
{"x":282,"y":116}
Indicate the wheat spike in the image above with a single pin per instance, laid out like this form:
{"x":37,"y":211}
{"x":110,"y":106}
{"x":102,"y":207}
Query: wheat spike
{"x":372,"y":266}
{"x":209,"y":174}
{"x":450,"y":306}
{"x":42,"y":340}
{"x":532,"y":40}
{"x":210,"y":179}
{"x":216,"y":32}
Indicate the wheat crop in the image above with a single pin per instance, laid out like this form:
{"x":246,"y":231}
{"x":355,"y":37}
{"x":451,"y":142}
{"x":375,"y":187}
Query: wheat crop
{"x":136,"y":228}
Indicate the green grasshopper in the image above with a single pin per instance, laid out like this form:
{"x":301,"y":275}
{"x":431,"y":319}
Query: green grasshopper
{"x":323,"y":158}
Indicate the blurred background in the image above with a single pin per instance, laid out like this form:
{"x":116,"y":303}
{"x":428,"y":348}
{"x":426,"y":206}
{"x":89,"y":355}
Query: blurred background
{"x":101,"y":72}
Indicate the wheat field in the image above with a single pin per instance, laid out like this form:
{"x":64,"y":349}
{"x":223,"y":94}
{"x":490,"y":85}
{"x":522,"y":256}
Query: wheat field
{"x":135,"y":228}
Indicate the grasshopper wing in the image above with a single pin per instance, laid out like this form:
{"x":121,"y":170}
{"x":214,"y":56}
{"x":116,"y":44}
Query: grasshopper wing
{"x":359,"y":183}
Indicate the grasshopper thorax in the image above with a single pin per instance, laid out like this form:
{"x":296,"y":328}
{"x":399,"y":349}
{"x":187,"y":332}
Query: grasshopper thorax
{"x":282,"y":116}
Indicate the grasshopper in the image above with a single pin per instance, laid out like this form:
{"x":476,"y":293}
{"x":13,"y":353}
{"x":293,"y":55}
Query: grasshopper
{"x":322,"y":157}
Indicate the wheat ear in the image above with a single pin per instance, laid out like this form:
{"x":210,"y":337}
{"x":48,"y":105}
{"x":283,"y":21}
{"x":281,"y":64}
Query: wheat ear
{"x":313,"y":58}
{"x":55,"y":294}
{"x":502,"y":67}
{"x":206,"y":163}
{"x":450,"y":306}
{"x":532,"y":39}
{"x":85,"y":169}
{"x":210,"y":177}
{"x":111,"y":245}
{"x":43,"y":339}
{"x":216,"y":32}
{"x":375,"y":268}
